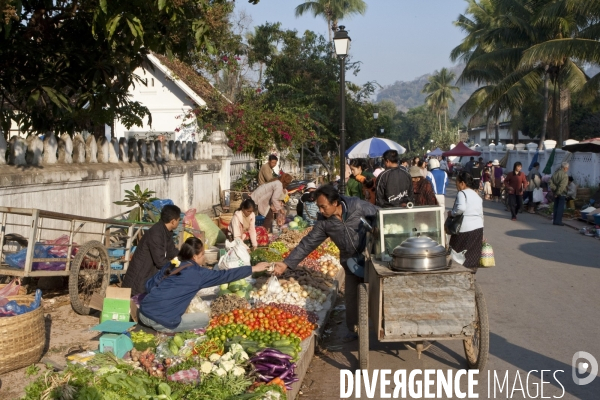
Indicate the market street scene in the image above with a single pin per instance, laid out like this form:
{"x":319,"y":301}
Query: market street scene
{"x":330,"y":199}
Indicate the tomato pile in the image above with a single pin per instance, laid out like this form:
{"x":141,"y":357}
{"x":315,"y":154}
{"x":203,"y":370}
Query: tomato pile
{"x":267,"y":318}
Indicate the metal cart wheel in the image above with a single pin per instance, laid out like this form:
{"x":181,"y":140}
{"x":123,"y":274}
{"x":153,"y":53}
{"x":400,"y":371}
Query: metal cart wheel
{"x":477,"y":348}
{"x":90,"y":273}
{"x":363,"y":325}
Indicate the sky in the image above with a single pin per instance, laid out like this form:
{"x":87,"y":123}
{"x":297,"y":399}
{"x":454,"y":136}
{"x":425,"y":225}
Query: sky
{"x":396,"y":40}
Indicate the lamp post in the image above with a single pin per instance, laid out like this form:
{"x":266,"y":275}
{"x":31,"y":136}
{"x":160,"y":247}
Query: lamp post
{"x":381,"y":130}
{"x":341,"y":40}
{"x":375,"y":116}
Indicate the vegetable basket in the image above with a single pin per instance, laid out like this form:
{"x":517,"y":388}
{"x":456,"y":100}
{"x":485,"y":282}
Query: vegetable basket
{"x":22,"y":337}
{"x":225,"y":220}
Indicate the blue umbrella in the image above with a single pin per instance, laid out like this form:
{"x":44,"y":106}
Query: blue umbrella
{"x":372,"y":148}
{"x":534,"y":160}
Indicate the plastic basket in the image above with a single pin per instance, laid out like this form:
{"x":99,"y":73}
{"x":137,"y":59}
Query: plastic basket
{"x":22,"y":337}
{"x":597,"y":219}
{"x":259,"y":220}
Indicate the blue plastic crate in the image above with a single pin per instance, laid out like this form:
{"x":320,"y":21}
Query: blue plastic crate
{"x":259,"y":220}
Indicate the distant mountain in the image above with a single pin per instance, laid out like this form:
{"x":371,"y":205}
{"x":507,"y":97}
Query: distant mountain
{"x":407,"y":95}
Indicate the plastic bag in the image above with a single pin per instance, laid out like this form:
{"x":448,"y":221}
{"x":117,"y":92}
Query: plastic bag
{"x":538,"y":195}
{"x":459,"y":258}
{"x":198,"y":305}
{"x":191,"y":225}
{"x":59,"y":247}
{"x":160,"y":203}
{"x":237,"y":255}
{"x":212,"y":233}
{"x":13,"y":308}
{"x":12,"y":289}
{"x":487,"y":255}
{"x":273,"y":286}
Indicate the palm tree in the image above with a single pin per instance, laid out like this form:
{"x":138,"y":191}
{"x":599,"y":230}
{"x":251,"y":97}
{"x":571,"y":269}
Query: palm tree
{"x":500,"y":35}
{"x":440,"y":90}
{"x":263,"y":45}
{"x":332,"y":11}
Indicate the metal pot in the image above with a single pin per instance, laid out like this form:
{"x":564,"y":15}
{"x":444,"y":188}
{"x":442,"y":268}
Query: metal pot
{"x":419,"y":254}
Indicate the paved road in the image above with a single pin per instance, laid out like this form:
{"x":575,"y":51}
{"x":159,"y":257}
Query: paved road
{"x":543,"y":299}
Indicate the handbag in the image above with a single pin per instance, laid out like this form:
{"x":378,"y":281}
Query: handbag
{"x":538,"y":195}
{"x":452,"y":224}
{"x":487,"y":255}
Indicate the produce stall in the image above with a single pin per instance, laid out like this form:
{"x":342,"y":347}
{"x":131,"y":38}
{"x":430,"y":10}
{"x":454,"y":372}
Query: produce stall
{"x":258,"y":345}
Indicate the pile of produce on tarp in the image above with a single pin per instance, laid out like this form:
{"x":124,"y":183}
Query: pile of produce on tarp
{"x":259,"y":329}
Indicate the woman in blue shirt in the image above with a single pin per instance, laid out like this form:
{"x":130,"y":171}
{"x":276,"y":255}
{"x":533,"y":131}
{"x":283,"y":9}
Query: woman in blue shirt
{"x":171,"y":290}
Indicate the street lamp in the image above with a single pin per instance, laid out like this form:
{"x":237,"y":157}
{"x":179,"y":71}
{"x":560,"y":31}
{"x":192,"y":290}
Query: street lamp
{"x":375,"y":116}
{"x":341,"y":40}
{"x":381,"y":130}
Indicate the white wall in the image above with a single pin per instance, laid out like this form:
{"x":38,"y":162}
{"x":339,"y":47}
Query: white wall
{"x":505,"y":135}
{"x":165,"y":100}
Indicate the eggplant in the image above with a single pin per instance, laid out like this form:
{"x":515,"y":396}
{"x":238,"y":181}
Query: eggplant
{"x":290,"y":381}
{"x":286,"y":373}
{"x":288,"y":387}
{"x":274,"y":353}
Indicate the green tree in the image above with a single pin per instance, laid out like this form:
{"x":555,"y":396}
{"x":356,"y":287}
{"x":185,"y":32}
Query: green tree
{"x":67,"y":65}
{"x":332,"y":11}
{"x":439,"y":89}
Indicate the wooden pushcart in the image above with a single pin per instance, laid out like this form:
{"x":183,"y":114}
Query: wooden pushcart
{"x":96,"y":248}
{"x":423,"y":307}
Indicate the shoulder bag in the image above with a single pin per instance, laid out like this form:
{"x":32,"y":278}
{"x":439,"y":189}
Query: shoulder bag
{"x":453,"y":224}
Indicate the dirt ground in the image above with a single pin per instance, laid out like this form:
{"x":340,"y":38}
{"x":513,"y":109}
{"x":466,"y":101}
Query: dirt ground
{"x":66,"y":332}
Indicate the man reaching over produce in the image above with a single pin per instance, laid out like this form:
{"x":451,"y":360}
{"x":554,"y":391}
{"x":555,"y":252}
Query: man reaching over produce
{"x":340,"y":220}
{"x":155,"y":249}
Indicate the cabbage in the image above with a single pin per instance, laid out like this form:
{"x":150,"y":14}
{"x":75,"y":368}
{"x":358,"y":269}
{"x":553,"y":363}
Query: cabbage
{"x":224,"y":286}
{"x":293,"y":225}
{"x":224,"y":292}
{"x":298,"y":219}
{"x":240,"y":293}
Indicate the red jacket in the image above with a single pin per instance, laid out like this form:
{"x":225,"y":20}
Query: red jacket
{"x":518,"y":183}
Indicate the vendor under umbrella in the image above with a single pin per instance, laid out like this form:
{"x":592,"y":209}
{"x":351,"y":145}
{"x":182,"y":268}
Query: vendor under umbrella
{"x":340,"y":220}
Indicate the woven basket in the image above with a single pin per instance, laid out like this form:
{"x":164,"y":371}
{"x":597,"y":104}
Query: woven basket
{"x":225,"y":220}
{"x":235,"y":198}
{"x":22,"y":290}
{"x":22,"y":337}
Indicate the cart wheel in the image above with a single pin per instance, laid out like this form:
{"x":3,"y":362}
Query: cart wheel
{"x":90,"y":272}
{"x":363,"y":325}
{"x":477,"y":348}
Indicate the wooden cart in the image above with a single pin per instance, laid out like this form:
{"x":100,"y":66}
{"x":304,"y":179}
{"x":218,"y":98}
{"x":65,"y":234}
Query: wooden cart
{"x":423,"y":307}
{"x":94,"y":240}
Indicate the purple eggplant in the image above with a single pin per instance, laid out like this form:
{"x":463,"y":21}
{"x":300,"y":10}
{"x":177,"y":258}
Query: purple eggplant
{"x":291,"y":380}
{"x":274,"y":353}
{"x":288,"y":387}
{"x":265,"y":378}
{"x":286,"y":373}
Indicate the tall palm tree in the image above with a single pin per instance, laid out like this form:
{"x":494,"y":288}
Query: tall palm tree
{"x":499,"y":34}
{"x":332,"y":11}
{"x":440,"y":90}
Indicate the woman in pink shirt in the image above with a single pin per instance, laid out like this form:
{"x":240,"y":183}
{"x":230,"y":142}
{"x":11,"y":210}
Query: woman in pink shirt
{"x":242,"y":225}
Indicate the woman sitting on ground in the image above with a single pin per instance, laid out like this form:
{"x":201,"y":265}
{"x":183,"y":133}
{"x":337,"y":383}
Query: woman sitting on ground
{"x":242,"y":225}
{"x":170,"y":291}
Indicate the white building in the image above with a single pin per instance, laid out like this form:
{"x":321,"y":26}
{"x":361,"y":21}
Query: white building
{"x":173,"y":89}
{"x":478,"y":135}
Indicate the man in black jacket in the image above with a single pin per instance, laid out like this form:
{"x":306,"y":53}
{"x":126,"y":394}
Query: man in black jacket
{"x":394,"y":186}
{"x":339,"y":219}
{"x":155,"y":249}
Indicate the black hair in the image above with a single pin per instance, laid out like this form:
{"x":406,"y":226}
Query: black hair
{"x":535,"y":165}
{"x":359,"y":162}
{"x":330,"y":193}
{"x":405,"y":160}
{"x":466,"y":178}
{"x":190,"y":248}
{"x":472,"y":159}
{"x":377,"y":164}
{"x":247,"y":204}
{"x":570,"y":179}
{"x":420,"y":163}
{"x":273,"y":157}
{"x":169,"y":213}
{"x":517,"y":164}
{"x":391,"y":156}
{"x":444,"y":158}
